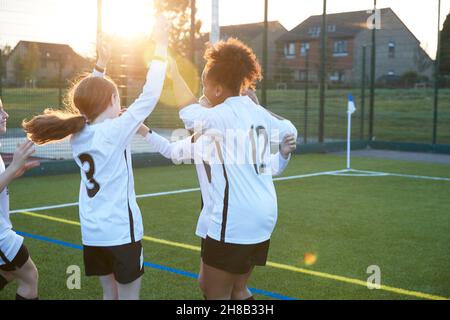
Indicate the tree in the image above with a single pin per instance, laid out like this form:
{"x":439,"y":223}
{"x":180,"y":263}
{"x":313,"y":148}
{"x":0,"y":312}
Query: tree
{"x":31,"y":62}
{"x":26,"y":65}
{"x":444,"y":67}
{"x":5,"y":51}
{"x":179,"y":13}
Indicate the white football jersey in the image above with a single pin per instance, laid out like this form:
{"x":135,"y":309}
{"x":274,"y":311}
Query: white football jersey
{"x":109,"y":214}
{"x":243,"y":206}
{"x":189,"y":115}
{"x":10,"y":242}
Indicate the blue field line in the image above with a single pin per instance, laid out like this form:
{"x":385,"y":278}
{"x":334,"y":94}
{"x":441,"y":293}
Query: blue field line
{"x":150,"y":265}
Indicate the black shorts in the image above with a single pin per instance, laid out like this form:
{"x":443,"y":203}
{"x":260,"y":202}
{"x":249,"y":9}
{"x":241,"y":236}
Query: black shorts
{"x":124,"y":261}
{"x":18,"y":261}
{"x":234,"y":258}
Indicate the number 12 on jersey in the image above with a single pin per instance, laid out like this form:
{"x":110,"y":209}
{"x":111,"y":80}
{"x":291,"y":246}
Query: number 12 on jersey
{"x":259,"y":140}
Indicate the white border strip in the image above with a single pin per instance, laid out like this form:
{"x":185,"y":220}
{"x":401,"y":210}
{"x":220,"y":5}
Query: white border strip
{"x":344,"y":172}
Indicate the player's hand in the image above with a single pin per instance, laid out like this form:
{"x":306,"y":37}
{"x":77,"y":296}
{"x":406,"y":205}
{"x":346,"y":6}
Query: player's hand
{"x":288,"y":145}
{"x":161,"y":30}
{"x":20,"y":162}
{"x":103,"y":51}
{"x":143,"y":130}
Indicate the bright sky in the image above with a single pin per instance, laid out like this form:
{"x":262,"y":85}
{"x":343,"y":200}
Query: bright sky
{"x":74,"y":21}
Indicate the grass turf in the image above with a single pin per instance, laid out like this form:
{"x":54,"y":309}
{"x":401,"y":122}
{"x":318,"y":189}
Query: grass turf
{"x":399,"y":224}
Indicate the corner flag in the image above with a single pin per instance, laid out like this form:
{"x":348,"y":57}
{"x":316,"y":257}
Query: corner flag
{"x":351,"y":104}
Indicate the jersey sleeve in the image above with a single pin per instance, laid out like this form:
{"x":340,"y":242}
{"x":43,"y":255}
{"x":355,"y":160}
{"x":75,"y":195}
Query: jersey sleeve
{"x":122,"y":129}
{"x":278,"y":163}
{"x":192,"y":115}
{"x":279,"y":127}
{"x":161,"y":144}
{"x":178,"y":151}
{"x":97,"y":74}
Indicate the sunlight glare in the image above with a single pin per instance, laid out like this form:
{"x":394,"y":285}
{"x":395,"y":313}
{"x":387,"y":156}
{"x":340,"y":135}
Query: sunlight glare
{"x":127,"y":18}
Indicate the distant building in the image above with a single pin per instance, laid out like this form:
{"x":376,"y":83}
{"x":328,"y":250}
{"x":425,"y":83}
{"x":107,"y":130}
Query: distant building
{"x":252,"y":35}
{"x":397,"y":49}
{"x":49,"y":60}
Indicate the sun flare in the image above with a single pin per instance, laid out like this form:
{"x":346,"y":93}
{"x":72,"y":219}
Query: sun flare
{"x":127,"y":18}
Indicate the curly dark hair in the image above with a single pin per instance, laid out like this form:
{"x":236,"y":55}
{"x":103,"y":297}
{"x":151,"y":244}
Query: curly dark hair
{"x":233,"y":64}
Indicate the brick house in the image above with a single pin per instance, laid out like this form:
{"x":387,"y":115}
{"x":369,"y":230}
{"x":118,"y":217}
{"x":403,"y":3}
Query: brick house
{"x":397,"y":49}
{"x":49,"y":56}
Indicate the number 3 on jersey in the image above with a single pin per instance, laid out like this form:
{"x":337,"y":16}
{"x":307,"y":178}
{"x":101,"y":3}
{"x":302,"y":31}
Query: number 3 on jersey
{"x":87,"y":158}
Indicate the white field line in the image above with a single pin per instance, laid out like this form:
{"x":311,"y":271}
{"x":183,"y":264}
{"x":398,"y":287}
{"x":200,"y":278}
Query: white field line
{"x":309,"y":175}
{"x":346,"y":174}
{"x":403,"y":175}
{"x":343,"y":172}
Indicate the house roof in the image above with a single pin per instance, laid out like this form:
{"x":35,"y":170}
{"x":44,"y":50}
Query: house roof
{"x":343,"y":24}
{"x":52,"y":49}
{"x":246,"y":31}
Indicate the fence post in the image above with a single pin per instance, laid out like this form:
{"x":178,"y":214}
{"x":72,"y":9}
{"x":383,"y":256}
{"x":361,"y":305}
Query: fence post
{"x":372,"y":75}
{"x":59,"y":80}
{"x":436,"y":78}
{"x":192,"y":33}
{"x":363,"y":92}
{"x":306,"y":94}
{"x":264,"y":55}
{"x":323,"y":62}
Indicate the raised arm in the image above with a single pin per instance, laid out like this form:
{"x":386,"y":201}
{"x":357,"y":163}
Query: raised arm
{"x":123,"y":128}
{"x":104,"y":54}
{"x":181,"y":90}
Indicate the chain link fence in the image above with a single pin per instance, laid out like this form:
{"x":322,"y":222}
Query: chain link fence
{"x":36,"y":75}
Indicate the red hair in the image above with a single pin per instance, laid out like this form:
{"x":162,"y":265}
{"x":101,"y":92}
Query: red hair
{"x":85,"y":101}
{"x":233,"y":64}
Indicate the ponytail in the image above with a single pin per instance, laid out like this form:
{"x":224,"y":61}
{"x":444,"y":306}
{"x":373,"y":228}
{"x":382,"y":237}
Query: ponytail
{"x":53,"y":125}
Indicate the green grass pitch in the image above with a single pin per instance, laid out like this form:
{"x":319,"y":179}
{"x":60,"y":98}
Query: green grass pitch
{"x":400,"y":224}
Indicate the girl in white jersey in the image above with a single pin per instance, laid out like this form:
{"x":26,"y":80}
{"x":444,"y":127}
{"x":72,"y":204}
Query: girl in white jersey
{"x":242,"y":197}
{"x":111,"y":222}
{"x":15,"y":261}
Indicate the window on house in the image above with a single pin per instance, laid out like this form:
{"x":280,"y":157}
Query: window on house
{"x":289,"y":49}
{"x":314,"y":31}
{"x":304,"y":47}
{"x":337,"y":76}
{"x":331,"y":28}
{"x":300,"y":75}
{"x":391,"y":49}
{"x":340,"y":48}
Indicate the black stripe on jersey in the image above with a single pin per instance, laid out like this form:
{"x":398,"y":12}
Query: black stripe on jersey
{"x":207,"y":170}
{"x":225,"y":194}
{"x":252,"y":141}
{"x":4,"y":258}
{"x":130,"y":213}
{"x":225,"y":205}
